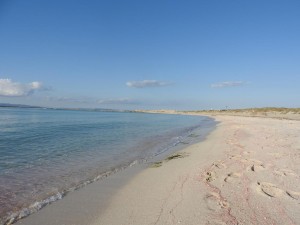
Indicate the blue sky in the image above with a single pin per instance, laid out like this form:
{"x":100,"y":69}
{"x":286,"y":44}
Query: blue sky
{"x":150,"y":54}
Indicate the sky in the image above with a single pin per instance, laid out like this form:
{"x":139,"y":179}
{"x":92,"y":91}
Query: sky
{"x":158,"y":54}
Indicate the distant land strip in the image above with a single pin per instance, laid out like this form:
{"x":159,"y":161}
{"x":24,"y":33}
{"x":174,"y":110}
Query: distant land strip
{"x":268,"y":112}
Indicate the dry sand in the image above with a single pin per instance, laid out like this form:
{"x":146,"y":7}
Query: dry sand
{"x":246,"y":172}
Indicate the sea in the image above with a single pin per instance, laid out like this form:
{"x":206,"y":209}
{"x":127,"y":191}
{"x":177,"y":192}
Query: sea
{"x":47,"y":153}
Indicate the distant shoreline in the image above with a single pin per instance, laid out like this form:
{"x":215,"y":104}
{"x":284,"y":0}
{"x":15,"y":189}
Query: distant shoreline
{"x":274,"y":112}
{"x":270,"y":112}
{"x":6,"y":105}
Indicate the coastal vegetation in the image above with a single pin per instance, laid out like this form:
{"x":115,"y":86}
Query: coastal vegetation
{"x":253,"y":110}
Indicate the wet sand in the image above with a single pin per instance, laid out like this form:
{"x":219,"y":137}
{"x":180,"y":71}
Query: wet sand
{"x":245,"y":172}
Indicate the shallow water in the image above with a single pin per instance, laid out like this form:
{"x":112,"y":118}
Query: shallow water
{"x":46,"y":153}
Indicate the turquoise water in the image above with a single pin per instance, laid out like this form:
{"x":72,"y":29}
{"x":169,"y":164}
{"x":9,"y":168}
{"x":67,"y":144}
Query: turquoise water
{"x":46,"y":153}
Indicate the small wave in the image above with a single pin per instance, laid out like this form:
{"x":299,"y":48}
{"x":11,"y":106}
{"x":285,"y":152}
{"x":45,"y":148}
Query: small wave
{"x":133,"y":163}
{"x":31,"y":209}
{"x":36,"y":206}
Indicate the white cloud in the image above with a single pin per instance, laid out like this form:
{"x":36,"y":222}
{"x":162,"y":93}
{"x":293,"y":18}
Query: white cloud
{"x":228,"y":84}
{"x":76,"y":100}
{"x":146,"y":83}
{"x":116,"y":101}
{"x":91,"y":100}
{"x":8,"y":88}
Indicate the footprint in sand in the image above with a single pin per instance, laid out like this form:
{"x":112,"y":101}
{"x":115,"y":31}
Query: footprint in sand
{"x":269,"y":189}
{"x":210,"y":176}
{"x":232,"y":177}
{"x":293,"y":194}
{"x":219,"y":165}
{"x":253,"y":162}
{"x":214,"y":202}
{"x":256,"y":168}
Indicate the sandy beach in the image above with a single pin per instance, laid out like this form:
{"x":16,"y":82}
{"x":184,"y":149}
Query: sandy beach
{"x":245,"y":172}
{"x":80,"y":82}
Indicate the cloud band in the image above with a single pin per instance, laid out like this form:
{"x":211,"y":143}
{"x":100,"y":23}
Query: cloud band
{"x":8,"y":88}
{"x":146,"y":84}
{"x":228,"y":84}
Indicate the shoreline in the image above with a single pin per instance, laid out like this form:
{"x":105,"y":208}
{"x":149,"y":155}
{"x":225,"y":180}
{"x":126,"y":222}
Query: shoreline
{"x":109,"y":180}
{"x":244,"y":172}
